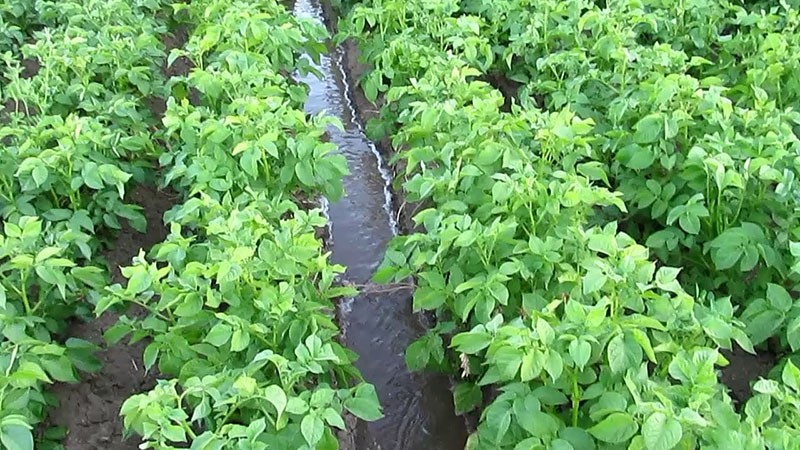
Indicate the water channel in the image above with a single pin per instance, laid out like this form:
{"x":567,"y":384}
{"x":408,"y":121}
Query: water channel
{"x":418,"y":407}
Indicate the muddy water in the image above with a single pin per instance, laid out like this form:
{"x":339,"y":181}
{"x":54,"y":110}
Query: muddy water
{"x":418,"y":407}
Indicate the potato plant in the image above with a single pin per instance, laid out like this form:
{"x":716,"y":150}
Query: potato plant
{"x":240,"y":294}
{"x":693,"y":125}
{"x":533,"y":252}
{"x":75,"y":133}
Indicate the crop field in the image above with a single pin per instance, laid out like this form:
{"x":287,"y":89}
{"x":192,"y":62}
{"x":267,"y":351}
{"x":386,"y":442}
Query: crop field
{"x":601,"y":203}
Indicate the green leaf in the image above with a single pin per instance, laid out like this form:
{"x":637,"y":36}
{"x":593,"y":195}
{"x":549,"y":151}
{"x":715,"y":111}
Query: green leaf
{"x":643,"y":340}
{"x":417,"y":355}
{"x":725,"y":257}
{"x":60,"y":369}
{"x":532,"y":365}
{"x":539,"y":424}
{"x":580,"y":351}
{"x":40,"y":174}
{"x":275,"y":395}
{"x":219,"y":334}
{"x":661,"y":432}
{"x":791,"y":376}
{"x":793,"y":334}
{"x":471,"y":342}
{"x":312,"y":429}
{"x":617,"y":428}
{"x":365,"y":404}
{"x":240,"y":340}
{"x":779,"y":298}
{"x":554,"y":364}
{"x":593,"y":280}
{"x":426,"y":298}
{"x":30,"y":371}
{"x":617,"y":359}
{"x":507,"y":360}
{"x":150,"y":355}
{"x":642,"y":158}
{"x":16,"y":437}
{"x":139,"y":281}
{"x":763,"y":325}
{"x":333,"y":418}
{"x":758,"y":409}
{"x":649,"y":129}
{"x":91,"y":176}
{"x":304,"y":173}
{"x":466,"y":397}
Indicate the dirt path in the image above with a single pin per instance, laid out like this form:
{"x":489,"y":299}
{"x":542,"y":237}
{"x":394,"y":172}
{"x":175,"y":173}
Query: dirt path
{"x":89,"y":410}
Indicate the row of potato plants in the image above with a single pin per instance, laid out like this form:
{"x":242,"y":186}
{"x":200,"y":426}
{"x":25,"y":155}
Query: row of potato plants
{"x":74,"y":135}
{"x":694,"y":123}
{"x":239,"y":296}
{"x":556,"y":320}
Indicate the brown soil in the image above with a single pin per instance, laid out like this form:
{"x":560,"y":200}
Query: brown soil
{"x":509,"y":88}
{"x":745,"y":369}
{"x":90,"y":410}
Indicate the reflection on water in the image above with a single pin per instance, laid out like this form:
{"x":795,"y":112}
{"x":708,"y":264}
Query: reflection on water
{"x":418,"y":406}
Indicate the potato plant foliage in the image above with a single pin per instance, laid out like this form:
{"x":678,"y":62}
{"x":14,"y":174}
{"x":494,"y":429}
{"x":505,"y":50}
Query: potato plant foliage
{"x":239,"y":296}
{"x":76,"y":133}
{"x":591,"y":243}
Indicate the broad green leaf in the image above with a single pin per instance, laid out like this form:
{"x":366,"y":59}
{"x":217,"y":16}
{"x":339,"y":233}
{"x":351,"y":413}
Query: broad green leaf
{"x":304,"y":173}
{"x":554,"y":364}
{"x":593,"y":280}
{"x":539,"y":424}
{"x":150,"y":355}
{"x":275,"y":395}
{"x":580,"y":351}
{"x":471,"y":342}
{"x":758,"y":409}
{"x":507,"y":360}
{"x":617,"y":428}
{"x":426,"y":298}
{"x":417,"y":355}
{"x":16,"y":437}
{"x":239,"y":340}
{"x":219,"y":335}
{"x":617,"y":358}
{"x":532,"y":365}
{"x":649,"y":129}
{"x":791,"y":376}
{"x":779,"y":298}
{"x":365,"y":404}
{"x":333,"y":418}
{"x":312,"y":429}
{"x":139,"y":281}
{"x":39,"y":174}
{"x":661,"y":432}
{"x":793,"y":333}
{"x":466,"y":397}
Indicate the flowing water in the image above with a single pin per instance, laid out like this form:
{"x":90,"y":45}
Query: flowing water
{"x":418,"y":406}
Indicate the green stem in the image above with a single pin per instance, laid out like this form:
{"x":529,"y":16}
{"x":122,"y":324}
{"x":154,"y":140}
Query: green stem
{"x":24,"y":292}
{"x":185,"y":425}
{"x":576,"y":399}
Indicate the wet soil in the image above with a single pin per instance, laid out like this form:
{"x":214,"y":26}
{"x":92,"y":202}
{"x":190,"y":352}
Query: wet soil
{"x":89,"y":410}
